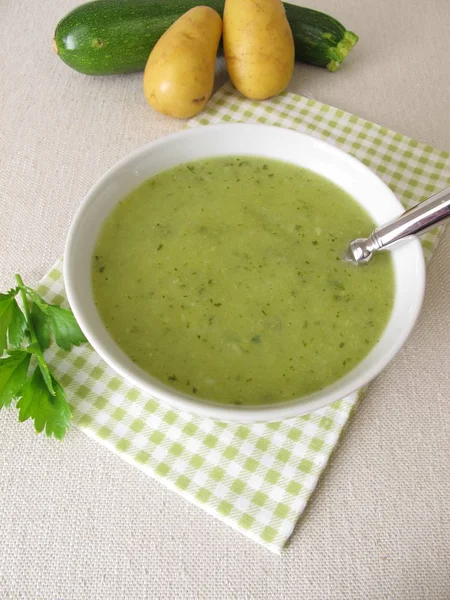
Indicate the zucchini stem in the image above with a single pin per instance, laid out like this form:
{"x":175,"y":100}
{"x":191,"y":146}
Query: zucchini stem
{"x":341,"y":50}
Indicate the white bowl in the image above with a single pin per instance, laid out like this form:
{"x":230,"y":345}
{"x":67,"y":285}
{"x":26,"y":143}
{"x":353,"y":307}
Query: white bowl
{"x":255,"y":140}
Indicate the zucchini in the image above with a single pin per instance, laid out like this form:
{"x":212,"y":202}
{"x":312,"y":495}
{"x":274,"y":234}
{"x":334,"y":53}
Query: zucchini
{"x":319,"y":39}
{"x":107,"y":37}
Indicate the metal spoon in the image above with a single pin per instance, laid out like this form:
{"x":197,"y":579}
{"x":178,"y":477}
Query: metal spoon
{"x":414,"y":221}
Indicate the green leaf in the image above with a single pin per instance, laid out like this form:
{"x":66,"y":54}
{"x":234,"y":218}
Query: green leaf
{"x":41,"y":327}
{"x":61,"y":321}
{"x":65,"y":328}
{"x":17,"y":325}
{"x":43,"y":366}
{"x":48,"y":412}
{"x":6,"y":311}
{"x":13,"y":374}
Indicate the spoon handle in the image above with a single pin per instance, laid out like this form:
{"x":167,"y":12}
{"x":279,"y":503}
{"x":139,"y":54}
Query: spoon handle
{"x":414,"y":221}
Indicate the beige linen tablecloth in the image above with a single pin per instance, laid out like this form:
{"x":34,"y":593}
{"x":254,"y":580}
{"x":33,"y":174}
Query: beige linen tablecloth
{"x":75,"y":520}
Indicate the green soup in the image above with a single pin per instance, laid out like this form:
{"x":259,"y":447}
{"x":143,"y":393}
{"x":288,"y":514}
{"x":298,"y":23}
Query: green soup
{"x":224,"y":278}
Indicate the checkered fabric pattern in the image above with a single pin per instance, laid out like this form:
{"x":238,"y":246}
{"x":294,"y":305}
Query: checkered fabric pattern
{"x":256,"y":478}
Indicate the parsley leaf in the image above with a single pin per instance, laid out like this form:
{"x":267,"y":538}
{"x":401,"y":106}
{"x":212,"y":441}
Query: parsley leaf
{"x":12,"y":321}
{"x":61,"y":321}
{"x":43,"y":366}
{"x":13,"y":373}
{"x":66,"y":330}
{"x":41,"y":328}
{"x":25,"y":334}
{"x":6,"y":312}
{"x":17,"y":325}
{"x":47,"y":411}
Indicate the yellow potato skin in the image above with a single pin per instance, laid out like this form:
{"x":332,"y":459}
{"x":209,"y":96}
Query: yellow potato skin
{"x":179,"y":75}
{"x":258,"y":47}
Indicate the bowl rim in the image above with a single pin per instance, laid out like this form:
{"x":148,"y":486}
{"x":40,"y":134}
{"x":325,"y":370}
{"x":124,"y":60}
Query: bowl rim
{"x":225,"y":412}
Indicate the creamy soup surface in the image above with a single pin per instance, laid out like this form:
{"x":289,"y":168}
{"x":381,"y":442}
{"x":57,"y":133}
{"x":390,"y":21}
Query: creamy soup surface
{"x":224,"y":278}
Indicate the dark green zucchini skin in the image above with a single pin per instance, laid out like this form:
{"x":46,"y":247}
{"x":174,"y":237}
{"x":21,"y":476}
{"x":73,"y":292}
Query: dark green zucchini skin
{"x":319,"y":39}
{"x":107,"y":37}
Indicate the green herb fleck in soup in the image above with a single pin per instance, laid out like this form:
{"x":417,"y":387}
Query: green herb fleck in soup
{"x":224,"y":278}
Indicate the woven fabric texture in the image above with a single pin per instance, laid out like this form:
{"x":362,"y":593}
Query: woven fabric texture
{"x":75,"y":520}
{"x":256,"y":478}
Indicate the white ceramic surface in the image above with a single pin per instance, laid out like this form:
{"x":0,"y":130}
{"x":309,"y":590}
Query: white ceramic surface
{"x":255,"y":140}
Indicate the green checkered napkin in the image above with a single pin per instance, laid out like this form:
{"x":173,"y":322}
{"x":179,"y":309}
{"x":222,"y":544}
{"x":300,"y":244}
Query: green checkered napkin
{"x":256,"y":478}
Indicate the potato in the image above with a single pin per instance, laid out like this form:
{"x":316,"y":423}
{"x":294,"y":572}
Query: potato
{"x":179,"y":75}
{"x":258,"y":46}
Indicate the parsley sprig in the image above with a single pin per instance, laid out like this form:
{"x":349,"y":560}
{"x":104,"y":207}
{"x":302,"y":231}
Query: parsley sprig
{"x":25,"y":376}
